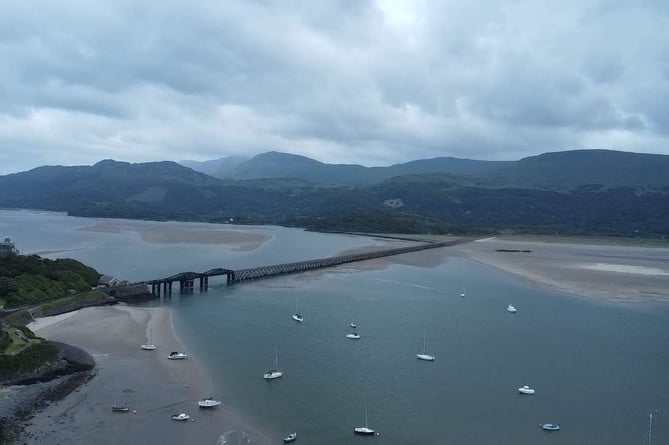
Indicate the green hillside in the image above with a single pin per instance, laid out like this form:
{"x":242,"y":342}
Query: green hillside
{"x":27,"y":280}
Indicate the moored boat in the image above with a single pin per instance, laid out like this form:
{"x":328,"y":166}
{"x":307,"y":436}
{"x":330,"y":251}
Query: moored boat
{"x":364,"y":430}
{"x":209,"y":402}
{"x":290,"y":438}
{"x":353,"y":336}
{"x":550,"y":426}
{"x":274,"y":373}
{"x":511,"y":309}
{"x":526,"y":390}
{"x":174,"y":355}
{"x":180,"y":417}
{"x":120,"y":408}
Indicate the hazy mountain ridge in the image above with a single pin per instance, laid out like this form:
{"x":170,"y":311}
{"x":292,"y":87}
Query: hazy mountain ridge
{"x":557,"y":170}
{"x":420,"y":202}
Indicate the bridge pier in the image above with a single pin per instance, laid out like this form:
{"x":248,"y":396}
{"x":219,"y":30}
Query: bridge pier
{"x":204,"y":283}
{"x":186,"y":286}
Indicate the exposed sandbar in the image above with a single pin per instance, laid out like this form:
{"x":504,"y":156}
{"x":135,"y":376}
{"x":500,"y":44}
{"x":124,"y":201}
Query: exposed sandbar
{"x":618,"y":271}
{"x":174,"y":233}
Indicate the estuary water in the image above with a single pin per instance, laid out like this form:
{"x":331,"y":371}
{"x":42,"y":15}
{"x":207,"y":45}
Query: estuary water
{"x":599,"y":369}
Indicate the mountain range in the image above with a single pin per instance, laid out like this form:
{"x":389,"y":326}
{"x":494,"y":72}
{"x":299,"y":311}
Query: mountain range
{"x":580,"y":191}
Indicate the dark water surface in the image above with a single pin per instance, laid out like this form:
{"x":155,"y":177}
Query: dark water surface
{"x":599,"y":369}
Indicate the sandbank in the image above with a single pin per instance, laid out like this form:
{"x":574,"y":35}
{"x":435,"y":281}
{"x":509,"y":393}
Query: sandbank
{"x":151,"y":385}
{"x":618,"y":271}
{"x":174,"y":233}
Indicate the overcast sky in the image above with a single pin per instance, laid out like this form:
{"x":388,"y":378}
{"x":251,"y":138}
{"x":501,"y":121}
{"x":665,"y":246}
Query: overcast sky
{"x":369,"y":82}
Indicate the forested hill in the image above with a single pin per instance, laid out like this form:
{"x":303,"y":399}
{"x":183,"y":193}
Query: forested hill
{"x":26,"y":280}
{"x":627,"y":194}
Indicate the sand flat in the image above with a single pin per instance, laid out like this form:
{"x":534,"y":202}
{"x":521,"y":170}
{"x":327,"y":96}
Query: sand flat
{"x":615,"y":271}
{"x":151,"y":385}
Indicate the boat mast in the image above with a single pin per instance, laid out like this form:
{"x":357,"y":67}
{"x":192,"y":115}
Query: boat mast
{"x":276,"y":359}
{"x":650,"y":428}
{"x":365,"y":415}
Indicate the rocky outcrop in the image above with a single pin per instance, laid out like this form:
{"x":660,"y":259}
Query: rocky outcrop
{"x":66,"y":360}
{"x":53,"y":380}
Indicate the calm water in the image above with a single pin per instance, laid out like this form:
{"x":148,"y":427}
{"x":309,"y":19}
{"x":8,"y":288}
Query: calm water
{"x":598,"y":369}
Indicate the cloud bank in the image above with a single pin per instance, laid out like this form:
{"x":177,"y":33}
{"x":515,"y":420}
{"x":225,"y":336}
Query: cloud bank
{"x":348,"y":81}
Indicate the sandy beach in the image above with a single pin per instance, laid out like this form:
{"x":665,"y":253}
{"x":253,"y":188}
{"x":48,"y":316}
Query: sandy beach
{"x":620,"y":272}
{"x":151,"y":385}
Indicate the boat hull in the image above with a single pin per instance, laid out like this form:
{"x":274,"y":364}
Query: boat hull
{"x":179,"y":356}
{"x":364,"y":431}
{"x":290,"y":438}
{"x":550,"y":427}
{"x":208,"y":403}
{"x":148,"y":347}
{"x":426,"y":357}
{"x":272,"y":375}
{"x":527,"y":391}
{"x":353,"y":336}
{"x":298,"y":318}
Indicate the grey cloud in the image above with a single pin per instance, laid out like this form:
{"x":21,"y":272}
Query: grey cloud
{"x":343,"y":81}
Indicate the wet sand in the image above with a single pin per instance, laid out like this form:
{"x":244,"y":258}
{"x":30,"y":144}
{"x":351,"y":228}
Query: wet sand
{"x":620,"y":272}
{"x":173,"y":233}
{"x":151,"y":385}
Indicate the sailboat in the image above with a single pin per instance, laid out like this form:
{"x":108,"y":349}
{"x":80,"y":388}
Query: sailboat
{"x":209,"y":402}
{"x":274,"y":373}
{"x":364,"y":430}
{"x":462,"y":294}
{"x":424,"y":355}
{"x":148,"y":346}
{"x":296,"y":316}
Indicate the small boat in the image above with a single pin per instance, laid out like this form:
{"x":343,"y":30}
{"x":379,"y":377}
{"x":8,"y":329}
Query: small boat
{"x":296,"y":316}
{"x":424,"y":355}
{"x":180,"y":417}
{"x":209,"y":402}
{"x":120,"y":409}
{"x":174,"y":355}
{"x":274,"y":373}
{"x":353,"y":336}
{"x":511,"y":309}
{"x":290,"y":438}
{"x":364,"y":430}
{"x":550,"y":426}
{"x":149,"y":346}
{"x":462,"y":294}
{"x":526,"y":390}
{"x":353,"y":325}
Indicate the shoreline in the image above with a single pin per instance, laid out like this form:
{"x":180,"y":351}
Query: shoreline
{"x":151,"y":385}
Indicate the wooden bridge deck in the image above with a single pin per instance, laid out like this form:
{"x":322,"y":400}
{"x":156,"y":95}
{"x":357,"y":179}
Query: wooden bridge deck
{"x":186,"y":279}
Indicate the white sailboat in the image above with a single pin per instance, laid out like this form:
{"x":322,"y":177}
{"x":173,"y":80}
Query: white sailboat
{"x":364,"y":430}
{"x":148,"y":346}
{"x":526,"y":390}
{"x":353,"y":336}
{"x":462,"y":294}
{"x":209,"y":402}
{"x":274,"y":373}
{"x":296,"y":316}
{"x":424,"y":355}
